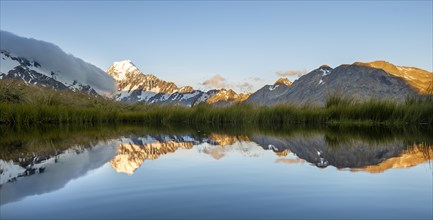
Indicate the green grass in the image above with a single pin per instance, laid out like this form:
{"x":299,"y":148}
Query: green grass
{"x":24,"y":105}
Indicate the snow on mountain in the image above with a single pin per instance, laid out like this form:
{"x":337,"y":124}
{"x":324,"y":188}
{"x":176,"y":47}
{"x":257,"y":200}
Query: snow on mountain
{"x":121,"y":68}
{"x":135,"y":86}
{"x":129,"y":78}
{"x":9,"y":171}
{"x":40,"y":62}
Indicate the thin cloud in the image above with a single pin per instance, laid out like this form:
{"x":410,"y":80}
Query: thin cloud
{"x":219,"y":82}
{"x":256,"y":79}
{"x":245,"y":87}
{"x":291,"y":73}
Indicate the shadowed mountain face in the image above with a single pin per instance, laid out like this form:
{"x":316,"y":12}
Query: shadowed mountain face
{"x":376,"y":80}
{"x":269,"y":92}
{"x":135,"y":86}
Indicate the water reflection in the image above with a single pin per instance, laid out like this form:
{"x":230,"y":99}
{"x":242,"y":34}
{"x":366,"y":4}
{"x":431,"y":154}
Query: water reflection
{"x":47,"y":170}
{"x":19,"y":181}
{"x":132,"y":152}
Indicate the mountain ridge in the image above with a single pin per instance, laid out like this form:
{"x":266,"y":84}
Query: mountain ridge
{"x":360,"y":81}
{"x":135,"y":86}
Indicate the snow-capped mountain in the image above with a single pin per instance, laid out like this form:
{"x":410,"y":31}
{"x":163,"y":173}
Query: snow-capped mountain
{"x":135,"y":86}
{"x":45,"y":64}
{"x":129,"y":78}
{"x":32,"y":72}
{"x":361,"y":81}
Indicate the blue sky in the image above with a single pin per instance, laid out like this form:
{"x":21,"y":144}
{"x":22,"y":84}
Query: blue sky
{"x":189,"y":42}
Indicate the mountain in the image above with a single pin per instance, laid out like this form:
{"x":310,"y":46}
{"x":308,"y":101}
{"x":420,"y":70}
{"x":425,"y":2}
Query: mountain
{"x":135,"y":86}
{"x":226,"y":97}
{"x":269,"y":92}
{"x":129,"y":78}
{"x":361,"y":81}
{"x":41,"y":63}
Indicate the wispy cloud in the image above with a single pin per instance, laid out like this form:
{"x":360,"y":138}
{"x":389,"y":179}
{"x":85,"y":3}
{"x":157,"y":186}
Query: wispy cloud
{"x":256,"y":79}
{"x":291,"y":73}
{"x":245,"y":87}
{"x":218,"y":82}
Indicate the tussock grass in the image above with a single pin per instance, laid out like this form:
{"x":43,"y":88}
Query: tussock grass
{"x":25,"y":105}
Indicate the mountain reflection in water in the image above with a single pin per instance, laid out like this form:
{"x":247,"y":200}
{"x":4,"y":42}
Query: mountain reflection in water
{"x":354,"y":155}
{"x":53,"y":170}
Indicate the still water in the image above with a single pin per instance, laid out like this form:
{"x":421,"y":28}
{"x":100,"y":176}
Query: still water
{"x":136,"y":173}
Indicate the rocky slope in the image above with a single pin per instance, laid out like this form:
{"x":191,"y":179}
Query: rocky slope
{"x":135,"y":86}
{"x":269,"y":92}
{"x":361,"y":81}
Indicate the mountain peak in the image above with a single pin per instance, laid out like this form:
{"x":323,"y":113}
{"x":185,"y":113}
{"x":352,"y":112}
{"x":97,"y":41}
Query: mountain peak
{"x":125,"y":65}
{"x":325,"y":67}
{"x":119,"y":69}
{"x":227,"y":95}
{"x":283,"y":81}
{"x":132,"y":82}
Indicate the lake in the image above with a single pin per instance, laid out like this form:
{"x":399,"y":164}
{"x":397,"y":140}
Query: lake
{"x":164,"y":173}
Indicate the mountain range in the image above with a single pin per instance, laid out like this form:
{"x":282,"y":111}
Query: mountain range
{"x":360,"y":81}
{"x":44,"y":64}
{"x":135,"y":86}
